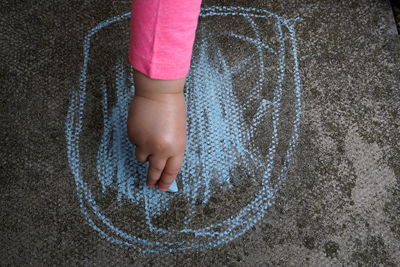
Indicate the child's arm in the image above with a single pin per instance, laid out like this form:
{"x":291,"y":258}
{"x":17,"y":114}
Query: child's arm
{"x":162,"y":37}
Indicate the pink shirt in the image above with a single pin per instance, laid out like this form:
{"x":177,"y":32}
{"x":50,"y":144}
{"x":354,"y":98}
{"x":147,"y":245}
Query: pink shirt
{"x":162,"y":36}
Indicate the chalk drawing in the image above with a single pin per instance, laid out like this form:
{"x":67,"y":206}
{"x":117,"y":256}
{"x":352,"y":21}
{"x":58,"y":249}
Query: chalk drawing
{"x":218,"y":138}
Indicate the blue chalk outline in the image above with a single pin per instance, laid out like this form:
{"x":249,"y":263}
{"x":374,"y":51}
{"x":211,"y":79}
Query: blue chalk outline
{"x":253,"y":211}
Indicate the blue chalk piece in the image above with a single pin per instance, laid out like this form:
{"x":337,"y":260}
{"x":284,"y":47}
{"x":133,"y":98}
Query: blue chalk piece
{"x":173,"y":187}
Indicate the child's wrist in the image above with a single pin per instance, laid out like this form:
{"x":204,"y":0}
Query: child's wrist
{"x":147,"y":85}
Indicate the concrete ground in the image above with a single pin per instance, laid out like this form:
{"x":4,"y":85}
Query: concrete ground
{"x":339,"y":204}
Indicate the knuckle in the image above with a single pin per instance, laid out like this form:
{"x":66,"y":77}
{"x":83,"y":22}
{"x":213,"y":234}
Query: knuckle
{"x":151,"y":180}
{"x":164,"y":145}
{"x":170,"y":173}
{"x":161,"y":147}
{"x":164,"y":183}
{"x":155,"y":169}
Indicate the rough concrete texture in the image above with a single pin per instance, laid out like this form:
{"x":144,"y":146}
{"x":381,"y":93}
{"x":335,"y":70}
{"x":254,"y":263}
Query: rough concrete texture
{"x":339,"y":206}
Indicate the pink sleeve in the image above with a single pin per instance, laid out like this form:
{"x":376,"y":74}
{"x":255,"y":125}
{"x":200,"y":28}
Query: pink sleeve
{"x":162,"y":35}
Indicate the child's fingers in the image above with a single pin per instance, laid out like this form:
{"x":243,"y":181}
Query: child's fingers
{"x":156,"y":167}
{"x":169,"y":173}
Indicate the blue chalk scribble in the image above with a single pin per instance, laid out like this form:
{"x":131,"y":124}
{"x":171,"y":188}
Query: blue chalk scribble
{"x":219,"y":137}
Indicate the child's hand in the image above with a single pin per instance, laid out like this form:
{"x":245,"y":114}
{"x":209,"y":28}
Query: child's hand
{"x":157,"y":126}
